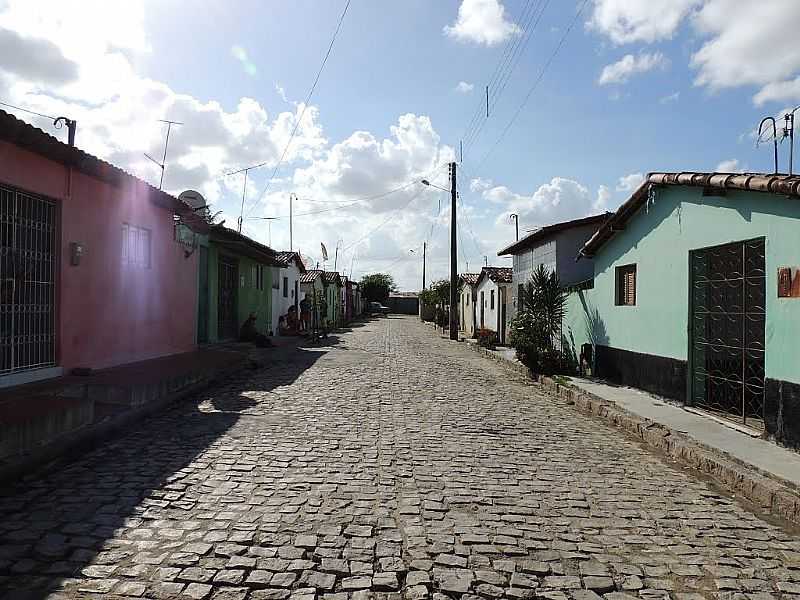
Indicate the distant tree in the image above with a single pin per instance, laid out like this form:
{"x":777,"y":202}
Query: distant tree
{"x":376,"y":287}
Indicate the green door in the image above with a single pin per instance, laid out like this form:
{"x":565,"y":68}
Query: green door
{"x":202,"y":297}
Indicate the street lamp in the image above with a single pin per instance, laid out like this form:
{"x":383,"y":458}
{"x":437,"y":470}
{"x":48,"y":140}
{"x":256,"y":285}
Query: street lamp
{"x":438,"y":187}
{"x":453,"y":254}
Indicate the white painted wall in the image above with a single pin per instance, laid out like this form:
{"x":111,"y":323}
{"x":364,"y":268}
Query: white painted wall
{"x":492,"y":311}
{"x":281,"y":302}
{"x":466,"y":310}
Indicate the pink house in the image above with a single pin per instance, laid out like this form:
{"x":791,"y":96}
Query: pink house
{"x":92,"y":273}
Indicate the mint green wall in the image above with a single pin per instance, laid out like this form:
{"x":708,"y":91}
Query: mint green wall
{"x":252,"y":300}
{"x":213,"y":292}
{"x":581,"y":323}
{"x":249,"y":299}
{"x":658,"y":239}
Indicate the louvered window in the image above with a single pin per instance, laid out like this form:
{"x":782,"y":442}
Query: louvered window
{"x":626,"y":285}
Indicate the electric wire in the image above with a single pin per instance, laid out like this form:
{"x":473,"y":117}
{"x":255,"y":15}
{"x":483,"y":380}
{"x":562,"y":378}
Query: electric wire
{"x":32,"y":112}
{"x":542,"y":72}
{"x":509,"y":63}
{"x":305,"y":104}
{"x":497,"y":95}
{"x":480,"y":108}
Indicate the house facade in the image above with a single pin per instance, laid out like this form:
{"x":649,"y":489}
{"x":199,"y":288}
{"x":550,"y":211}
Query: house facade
{"x":466,"y":303}
{"x":697,"y":296}
{"x":93,"y":273}
{"x":318,"y":285}
{"x":235,"y":280}
{"x":286,"y":290}
{"x":554,"y":246}
{"x":493,"y":293}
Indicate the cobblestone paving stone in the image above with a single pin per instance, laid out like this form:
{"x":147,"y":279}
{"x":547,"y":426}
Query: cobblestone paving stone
{"x":392,"y":465}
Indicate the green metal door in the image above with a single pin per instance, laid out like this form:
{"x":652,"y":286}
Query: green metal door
{"x":728,"y":316}
{"x":202,"y":297}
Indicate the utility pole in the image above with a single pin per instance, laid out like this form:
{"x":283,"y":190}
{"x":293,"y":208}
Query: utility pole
{"x":515,"y":216}
{"x":424,"y":252}
{"x":453,"y":254}
{"x":336,"y":255}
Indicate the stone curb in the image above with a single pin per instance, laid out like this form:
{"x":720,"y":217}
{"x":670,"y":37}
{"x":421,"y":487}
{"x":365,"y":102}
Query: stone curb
{"x":78,"y":443}
{"x":768,"y":493}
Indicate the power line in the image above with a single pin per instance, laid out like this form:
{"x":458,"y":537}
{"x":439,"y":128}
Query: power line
{"x":348,"y":203}
{"x":308,"y":99}
{"x":508,"y":63}
{"x":500,"y":70}
{"x":535,"y":83}
{"x":394,"y":214}
{"x":32,"y":112}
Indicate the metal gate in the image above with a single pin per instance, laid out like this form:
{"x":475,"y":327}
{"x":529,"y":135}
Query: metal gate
{"x":728,"y":318}
{"x":28,"y":254}
{"x":226,"y":309}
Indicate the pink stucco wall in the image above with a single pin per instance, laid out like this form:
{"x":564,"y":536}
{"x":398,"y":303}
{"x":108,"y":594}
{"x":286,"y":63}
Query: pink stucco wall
{"x":110,"y":313}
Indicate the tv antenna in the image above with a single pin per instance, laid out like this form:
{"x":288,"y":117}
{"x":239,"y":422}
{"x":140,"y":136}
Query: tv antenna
{"x":788,"y":131}
{"x":244,"y":187}
{"x":163,"y":162}
{"x":774,"y":137}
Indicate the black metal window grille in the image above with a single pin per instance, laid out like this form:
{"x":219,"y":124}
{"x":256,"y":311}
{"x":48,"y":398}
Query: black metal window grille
{"x":28,"y":263}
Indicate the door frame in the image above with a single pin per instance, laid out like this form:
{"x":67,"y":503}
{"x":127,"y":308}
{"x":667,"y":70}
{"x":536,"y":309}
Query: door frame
{"x":691,"y":359}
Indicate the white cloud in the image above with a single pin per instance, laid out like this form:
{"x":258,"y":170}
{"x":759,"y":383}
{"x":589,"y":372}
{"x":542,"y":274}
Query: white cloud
{"x":603,"y":200}
{"x":780,"y":91}
{"x":482,"y":22}
{"x":751,"y":42}
{"x":626,"y":21}
{"x":464,"y":88}
{"x":745,"y":43}
{"x":628,"y":183}
{"x":670,"y":98}
{"x":561,"y":199}
{"x":629,"y":65}
{"x":88,"y":64}
{"x":479,"y":184}
{"x":281,"y":91}
{"x":729,"y":166}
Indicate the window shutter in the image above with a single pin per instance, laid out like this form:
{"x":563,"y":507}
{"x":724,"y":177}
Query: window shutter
{"x":630,"y":284}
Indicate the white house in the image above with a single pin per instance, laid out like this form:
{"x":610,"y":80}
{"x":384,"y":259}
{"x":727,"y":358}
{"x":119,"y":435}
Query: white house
{"x":286,"y":285}
{"x":556,"y":247}
{"x":492,"y":291}
{"x":466,"y":303}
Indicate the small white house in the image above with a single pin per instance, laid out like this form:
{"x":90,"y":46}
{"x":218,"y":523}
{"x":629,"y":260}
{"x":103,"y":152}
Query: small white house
{"x":466,"y":304}
{"x":286,"y":285}
{"x":492,"y":291}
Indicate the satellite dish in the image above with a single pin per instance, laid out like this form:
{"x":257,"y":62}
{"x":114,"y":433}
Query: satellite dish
{"x":193,"y":199}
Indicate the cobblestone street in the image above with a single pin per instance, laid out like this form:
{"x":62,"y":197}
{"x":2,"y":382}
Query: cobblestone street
{"x":392,"y":462}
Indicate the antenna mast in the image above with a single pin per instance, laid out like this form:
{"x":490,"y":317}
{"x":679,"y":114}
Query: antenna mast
{"x":163,"y":162}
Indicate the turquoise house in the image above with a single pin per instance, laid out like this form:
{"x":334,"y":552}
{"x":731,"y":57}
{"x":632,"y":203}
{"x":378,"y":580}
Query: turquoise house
{"x":696,"y":296}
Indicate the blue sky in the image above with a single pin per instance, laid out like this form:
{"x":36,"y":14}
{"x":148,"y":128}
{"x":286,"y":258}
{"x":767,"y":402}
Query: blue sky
{"x":638,"y":86}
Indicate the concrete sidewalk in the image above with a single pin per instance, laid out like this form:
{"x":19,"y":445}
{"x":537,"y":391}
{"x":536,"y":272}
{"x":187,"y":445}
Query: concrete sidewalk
{"x":765,"y":456}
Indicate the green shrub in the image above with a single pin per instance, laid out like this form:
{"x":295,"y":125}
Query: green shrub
{"x":537,"y":325}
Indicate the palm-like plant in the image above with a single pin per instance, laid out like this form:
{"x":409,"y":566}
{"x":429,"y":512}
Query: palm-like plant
{"x":537,"y":327}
